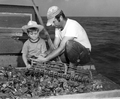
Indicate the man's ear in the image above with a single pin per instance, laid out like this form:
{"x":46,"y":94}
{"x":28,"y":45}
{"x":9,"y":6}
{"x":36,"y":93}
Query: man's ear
{"x":61,"y":18}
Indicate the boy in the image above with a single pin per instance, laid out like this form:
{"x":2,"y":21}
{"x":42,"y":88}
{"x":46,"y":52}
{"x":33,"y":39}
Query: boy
{"x":34,"y":46}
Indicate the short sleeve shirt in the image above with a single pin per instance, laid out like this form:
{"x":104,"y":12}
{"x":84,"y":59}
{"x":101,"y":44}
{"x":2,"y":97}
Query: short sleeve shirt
{"x":35,"y":49}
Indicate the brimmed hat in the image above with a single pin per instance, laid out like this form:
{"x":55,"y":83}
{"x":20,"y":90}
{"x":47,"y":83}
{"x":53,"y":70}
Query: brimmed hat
{"x":52,"y":12}
{"x":32,"y":24}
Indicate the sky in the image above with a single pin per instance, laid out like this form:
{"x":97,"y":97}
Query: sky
{"x":110,"y":8}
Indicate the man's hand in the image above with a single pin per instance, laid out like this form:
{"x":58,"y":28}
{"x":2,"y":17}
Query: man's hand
{"x":39,"y":59}
{"x":43,"y":54}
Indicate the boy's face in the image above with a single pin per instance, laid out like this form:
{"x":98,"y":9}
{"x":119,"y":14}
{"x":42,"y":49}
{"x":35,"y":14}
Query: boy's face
{"x":34,"y":34}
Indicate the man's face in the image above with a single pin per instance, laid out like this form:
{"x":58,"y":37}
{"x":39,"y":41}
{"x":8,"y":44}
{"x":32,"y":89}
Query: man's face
{"x":56,"y":23}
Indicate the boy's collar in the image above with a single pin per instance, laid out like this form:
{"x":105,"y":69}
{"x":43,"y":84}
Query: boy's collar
{"x":35,"y":41}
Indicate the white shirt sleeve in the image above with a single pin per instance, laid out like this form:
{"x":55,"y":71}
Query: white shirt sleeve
{"x":58,"y":33}
{"x":71,"y":30}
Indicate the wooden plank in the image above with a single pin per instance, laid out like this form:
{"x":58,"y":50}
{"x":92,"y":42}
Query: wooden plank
{"x":113,"y":94}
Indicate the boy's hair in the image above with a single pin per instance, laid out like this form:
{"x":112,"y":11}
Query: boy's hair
{"x":32,"y":29}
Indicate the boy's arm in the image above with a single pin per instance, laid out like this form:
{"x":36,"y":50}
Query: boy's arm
{"x":24,"y":57}
{"x":24,"y":54}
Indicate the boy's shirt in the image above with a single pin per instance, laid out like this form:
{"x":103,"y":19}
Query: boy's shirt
{"x":35,"y":49}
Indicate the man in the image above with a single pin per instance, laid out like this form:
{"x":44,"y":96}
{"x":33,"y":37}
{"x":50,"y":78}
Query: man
{"x":71,"y":41}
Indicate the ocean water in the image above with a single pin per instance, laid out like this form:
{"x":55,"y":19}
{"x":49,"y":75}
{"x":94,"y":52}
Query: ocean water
{"x":104,"y":35}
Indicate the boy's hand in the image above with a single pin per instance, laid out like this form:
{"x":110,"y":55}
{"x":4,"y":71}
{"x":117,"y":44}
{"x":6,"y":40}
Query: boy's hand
{"x":28,"y":66}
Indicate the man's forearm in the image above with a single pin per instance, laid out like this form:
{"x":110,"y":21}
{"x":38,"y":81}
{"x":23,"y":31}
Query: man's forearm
{"x":53,"y":54}
{"x":48,"y":51}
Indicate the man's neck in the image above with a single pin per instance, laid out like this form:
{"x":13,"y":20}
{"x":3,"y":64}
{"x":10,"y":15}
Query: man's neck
{"x":64,"y":23}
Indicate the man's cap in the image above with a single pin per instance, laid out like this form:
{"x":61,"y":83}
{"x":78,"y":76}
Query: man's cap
{"x":52,"y":12}
{"x":32,"y":24}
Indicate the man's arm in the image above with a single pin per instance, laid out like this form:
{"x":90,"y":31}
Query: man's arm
{"x":55,"y":52}
{"x":56,"y":42}
{"x":58,"y":50}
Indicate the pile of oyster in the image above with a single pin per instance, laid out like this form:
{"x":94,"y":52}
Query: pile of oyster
{"x":42,"y":82}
